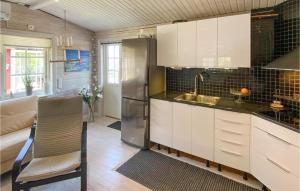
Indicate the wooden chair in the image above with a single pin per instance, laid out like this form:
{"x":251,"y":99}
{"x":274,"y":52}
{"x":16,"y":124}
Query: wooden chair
{"x":59,"y":145}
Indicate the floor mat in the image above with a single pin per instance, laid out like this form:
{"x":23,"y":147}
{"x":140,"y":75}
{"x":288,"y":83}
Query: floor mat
{"x":116,"y":125}
{"x":159,"y":172}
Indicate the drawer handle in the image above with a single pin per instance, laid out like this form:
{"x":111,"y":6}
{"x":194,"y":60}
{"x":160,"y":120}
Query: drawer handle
{"x":278,"y":138}
{"x":233,"y":132}
{"x":232,"y":142}
{"x":229,"y":121}
{"x":278,"y":165}
{"x":231,"y":152}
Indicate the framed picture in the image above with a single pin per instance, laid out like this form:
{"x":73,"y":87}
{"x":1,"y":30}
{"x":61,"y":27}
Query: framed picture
{"x":77,"y":60}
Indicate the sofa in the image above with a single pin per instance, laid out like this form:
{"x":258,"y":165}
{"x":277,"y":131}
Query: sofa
{"x":16,"y":119}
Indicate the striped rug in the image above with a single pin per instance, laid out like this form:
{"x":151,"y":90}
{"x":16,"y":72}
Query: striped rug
{"x":162,"y":173}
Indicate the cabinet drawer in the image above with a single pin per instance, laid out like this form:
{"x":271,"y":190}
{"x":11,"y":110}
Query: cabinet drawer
{"x":232,"y":122}
{"x":233,"y":117}
{"x":232,"y":156}
{"x":277,"y":130}
{"x":271,"y":175}
{"x":283,"y":154}
{"x":232,"y":127}
{"x":232,"y":149}
{"x":233,"y":138}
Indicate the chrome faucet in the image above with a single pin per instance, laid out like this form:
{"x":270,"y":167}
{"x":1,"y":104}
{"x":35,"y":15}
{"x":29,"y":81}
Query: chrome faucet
{"x":195,"y":85}
{"x":196,"y":80}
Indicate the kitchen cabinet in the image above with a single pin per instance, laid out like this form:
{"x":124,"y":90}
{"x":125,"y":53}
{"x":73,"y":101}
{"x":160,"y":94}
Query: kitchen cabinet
{"x":182,"y":127}
{"x":202,"y":132}
{"x":232,"y":139}
{"x":187,"y":44}
{"x":234,"y":41}
{"x":275,"y":155}
{"x":161,"y":122}
{"x":167,"y":37}
{"x":223,"y":42}
{"x":207,"y":33}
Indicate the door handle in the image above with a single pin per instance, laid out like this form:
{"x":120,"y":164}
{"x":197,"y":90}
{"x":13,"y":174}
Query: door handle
{"x":271,"y":135}
{"x":232,"y":132}
{"x":146,"y":90}
{"x":145,"y":111}
{"x":278,"y":165}
{"x":229,"y":121}
{"x":231,"y":142}
{"x":231,"y":152}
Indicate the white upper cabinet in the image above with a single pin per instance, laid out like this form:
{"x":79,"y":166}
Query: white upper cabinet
{"x":187,"y":35}
{"x":234,"y":41}
{"x":207,"y":33}
{"x":167,"y":45}
{"x":223,"y":42}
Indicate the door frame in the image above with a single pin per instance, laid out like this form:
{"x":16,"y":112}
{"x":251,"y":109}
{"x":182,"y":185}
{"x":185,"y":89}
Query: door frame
{"x":103,"y":80}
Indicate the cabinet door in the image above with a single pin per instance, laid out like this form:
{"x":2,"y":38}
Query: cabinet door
{"x":161,"y":122}
{"x":234,"y":34}
{"x":187,"y":44}
{"x":275,"y":161}
{"x":207,"y":33}
{"x":203,"y":132}
{"x":182,"y":127}
{"x":167,"y":45}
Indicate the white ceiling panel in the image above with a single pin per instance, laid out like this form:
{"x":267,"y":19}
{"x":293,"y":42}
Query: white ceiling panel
{"x":104,"y":15}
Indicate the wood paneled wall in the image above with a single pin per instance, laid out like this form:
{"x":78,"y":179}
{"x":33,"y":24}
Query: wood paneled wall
{"x":48,"y":26}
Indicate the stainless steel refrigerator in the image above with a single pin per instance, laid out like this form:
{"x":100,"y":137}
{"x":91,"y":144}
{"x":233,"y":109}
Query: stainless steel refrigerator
{"x":141,"y":78}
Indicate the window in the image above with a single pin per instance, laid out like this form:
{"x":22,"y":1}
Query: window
{"x":21,"y":62}
{"x":112,"y":63}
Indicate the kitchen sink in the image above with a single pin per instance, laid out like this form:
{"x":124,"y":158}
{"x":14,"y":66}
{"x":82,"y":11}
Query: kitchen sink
{"x":204,"y":99}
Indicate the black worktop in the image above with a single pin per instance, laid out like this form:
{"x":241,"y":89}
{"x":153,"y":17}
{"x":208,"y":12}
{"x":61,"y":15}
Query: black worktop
{"x":229,"y":105}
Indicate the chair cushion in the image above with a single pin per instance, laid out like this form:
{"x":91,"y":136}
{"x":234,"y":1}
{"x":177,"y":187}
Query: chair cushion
{"x":47,"y":167}
{"x":12,"y":143}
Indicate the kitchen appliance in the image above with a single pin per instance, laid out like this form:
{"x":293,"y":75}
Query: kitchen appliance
{"x":141,"y":78}
{"x":288,"y":117}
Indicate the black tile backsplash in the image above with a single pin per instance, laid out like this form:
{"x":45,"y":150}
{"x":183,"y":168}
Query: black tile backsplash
{"x":270,"y":39}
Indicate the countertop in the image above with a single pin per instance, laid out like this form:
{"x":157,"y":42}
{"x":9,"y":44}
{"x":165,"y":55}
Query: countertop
{"x":229,"y":105}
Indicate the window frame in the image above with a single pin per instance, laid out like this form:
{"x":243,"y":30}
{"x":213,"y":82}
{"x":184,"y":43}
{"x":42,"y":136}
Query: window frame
{"x":44,"y":90}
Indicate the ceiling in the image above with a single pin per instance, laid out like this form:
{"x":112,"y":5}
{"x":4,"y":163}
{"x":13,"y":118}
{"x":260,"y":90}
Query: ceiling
{"x":103,"y":15}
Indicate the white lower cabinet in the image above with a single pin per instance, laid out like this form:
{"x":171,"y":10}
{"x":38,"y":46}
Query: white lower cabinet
{"x":161,"y":122}
{"x":225,"y":137}
{"x":232,"y":139}
{"x":203,"y":132}
{"x":182,"y":127}
{"x":275,"y":155}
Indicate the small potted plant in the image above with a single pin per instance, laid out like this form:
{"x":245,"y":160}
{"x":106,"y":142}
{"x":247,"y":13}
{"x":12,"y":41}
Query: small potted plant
{"x":27,"y":80}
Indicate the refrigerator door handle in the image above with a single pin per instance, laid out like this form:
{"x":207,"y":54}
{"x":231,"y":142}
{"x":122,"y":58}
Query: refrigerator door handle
{"x":146,"y":91}
{"x":145,"y":111}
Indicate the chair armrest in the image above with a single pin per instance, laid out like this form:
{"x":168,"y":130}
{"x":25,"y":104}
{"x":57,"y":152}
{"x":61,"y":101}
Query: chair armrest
{"x":22,"y":154}
{"x":84,"y":142}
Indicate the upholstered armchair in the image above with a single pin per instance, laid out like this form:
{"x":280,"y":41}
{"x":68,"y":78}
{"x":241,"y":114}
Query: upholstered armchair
{"x":59,"y":145}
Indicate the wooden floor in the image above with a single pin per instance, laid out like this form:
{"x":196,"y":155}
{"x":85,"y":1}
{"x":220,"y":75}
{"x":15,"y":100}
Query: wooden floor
{"x":106,"y":152}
